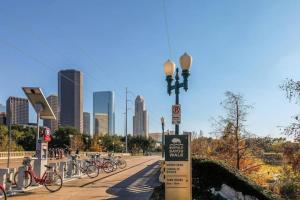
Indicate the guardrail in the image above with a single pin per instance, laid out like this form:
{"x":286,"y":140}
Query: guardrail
{"x":16,"y":154}
{"x":64,"y":168}
{"x":22,"y":154}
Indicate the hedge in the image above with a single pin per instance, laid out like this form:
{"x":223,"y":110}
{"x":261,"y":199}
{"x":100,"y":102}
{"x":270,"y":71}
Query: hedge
{"x":209,"y":174}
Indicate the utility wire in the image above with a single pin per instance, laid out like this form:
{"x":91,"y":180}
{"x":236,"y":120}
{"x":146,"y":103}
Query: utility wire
{"x":167,"y":28}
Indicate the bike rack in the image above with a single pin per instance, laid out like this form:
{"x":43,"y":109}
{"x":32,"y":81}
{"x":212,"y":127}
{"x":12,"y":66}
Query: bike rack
{"x":3,"y":175}
{"x":20,"y":184}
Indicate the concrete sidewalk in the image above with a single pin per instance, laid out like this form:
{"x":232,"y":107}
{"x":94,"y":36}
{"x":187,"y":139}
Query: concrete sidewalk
{"x":136,"y":181}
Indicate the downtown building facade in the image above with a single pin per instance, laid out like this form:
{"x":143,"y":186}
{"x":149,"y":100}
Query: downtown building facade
{"x":2,"y":118}
{"x":86,"y":123}
{"x":2,"y":115}
{"x":51,"y":123}
{"x":104,"y":113}
{"x":17,"y":111}
{"x":140,"y":118}
{"x":70,"y":98}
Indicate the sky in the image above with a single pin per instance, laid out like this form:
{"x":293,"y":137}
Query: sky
{"x":247,"y":47}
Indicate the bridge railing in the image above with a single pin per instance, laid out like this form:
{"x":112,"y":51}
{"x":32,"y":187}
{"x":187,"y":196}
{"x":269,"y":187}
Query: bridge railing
{"x":16,"y":154}
{"x":22,"y":154}
{"x":63,"y":167}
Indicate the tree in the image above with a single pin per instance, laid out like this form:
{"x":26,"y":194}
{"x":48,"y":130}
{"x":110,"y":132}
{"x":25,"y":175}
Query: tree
{"x":138,"y":143}
{"x":232,"y":127}
{"x":67,"y":136}
{"x":112,"y":143}
{"x":4,"y":139}
{"x":292,"y":90}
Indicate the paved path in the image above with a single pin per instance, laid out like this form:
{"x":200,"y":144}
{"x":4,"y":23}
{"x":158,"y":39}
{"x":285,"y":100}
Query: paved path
{"x":135,"y":182}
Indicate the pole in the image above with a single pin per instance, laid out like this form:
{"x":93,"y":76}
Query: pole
{"x":163,"y":139}
{"x":177,"y":98}
{"x":9,"y":145}
{"x":108,"y":121}
{"x":126,"y":141}
{"x":37,"y":133}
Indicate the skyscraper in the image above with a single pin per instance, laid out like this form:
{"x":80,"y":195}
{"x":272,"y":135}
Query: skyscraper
{"x":51,"y":123}
{"x":140,"y":118}
{"x":104,"y":112}
{"x":17,"y":110}
{"x":86,"y":123}
{"x":70,"y":98}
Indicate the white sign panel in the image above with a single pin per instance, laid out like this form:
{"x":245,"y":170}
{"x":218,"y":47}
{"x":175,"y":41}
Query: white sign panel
{"x":176,"y":114}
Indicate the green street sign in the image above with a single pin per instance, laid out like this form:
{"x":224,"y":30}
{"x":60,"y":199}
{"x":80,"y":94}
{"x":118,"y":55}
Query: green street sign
{"x":176,"y":148}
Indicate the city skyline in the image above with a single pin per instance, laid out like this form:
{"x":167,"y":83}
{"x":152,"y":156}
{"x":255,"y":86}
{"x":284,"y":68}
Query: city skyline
{"x":70,"y":98}
{"x":53,"y":124}
{"x":140,"y":119}
{"x":87,"y":123}
{"x":103,"y":112}
{"x":17,"y":110}
{"x":252,"y":51}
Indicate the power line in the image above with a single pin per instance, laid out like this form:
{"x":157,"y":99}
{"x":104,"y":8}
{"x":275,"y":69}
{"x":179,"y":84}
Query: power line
{"x":167,"y":28}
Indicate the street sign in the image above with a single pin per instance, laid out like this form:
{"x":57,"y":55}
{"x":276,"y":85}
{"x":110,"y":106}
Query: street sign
{"x":176,"y":114}
{"x":178,"y":174}
{"x":176,"y":148}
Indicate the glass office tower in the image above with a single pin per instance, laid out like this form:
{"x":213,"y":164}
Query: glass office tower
{"x":104,"y":113}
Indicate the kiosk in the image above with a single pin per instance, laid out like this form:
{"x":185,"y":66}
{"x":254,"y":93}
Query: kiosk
{"x":43,"y":111}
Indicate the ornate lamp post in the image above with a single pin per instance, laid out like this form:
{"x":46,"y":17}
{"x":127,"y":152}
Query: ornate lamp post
{"x":163,"y":136}
{"x":185,"y":63}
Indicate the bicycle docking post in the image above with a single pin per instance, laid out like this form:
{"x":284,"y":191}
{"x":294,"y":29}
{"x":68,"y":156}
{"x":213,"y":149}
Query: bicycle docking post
{"x":21,"y":176}
{"x":69,"y":169}
{"x":3,"y":174}
{"x":62,"y":166}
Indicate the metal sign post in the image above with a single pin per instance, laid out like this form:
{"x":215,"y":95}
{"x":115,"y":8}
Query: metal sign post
{"x":176,"y":114}
{"x":178,"y":172}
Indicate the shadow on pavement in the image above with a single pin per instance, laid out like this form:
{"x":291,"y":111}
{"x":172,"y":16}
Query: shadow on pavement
{"x":138,"y":186}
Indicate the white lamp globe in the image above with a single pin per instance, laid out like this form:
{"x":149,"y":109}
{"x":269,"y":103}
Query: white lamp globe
{"x":169,"y":67}
{"x":185,"y":61}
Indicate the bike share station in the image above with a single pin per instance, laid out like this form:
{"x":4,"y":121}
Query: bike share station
{"x":43,"y":111}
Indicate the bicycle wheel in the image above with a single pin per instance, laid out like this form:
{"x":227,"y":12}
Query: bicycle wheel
{"x":3,"y":195}
{"x":53,"y":182}
{"x":122,"y":163}
{"x":27,"y":180}
{"x":107,"y":167}
{"x":92,"y":171}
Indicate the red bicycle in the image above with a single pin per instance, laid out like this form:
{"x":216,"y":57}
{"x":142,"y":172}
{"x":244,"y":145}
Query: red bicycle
{"x":50,"y":179}
{"x":101,"y":163}
{"x":2,"y":193}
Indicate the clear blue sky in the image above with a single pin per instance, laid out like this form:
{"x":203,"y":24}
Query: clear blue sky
{"x":242,"y":46}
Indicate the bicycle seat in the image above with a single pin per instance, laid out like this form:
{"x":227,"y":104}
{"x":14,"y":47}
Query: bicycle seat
{"x":87,"y":161}
{"x":48,"y":166}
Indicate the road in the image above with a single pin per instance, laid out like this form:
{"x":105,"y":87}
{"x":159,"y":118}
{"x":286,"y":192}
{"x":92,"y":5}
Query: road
{"x":135,"y":182}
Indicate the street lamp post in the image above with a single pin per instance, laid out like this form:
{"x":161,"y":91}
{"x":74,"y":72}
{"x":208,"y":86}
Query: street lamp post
{"x":71,"y":141}
{"x":185,"y":63}
{"x":163,"y":136}
{"x":9,"y":144}
{"x":87,"y":142}
{"x":113,"y":147}
{"x":100,"y":144}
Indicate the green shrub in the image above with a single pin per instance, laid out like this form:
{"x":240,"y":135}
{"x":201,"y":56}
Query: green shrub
{"x":209,"y":174}
{"x":290,"y":190}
